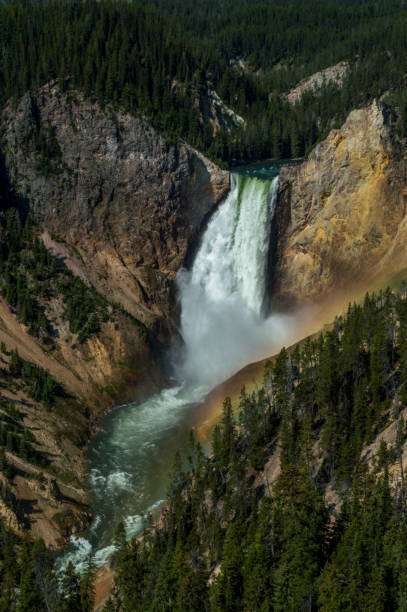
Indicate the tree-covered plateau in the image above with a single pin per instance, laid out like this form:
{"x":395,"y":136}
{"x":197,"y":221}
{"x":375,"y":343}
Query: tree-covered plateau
{"x":158,"y":60}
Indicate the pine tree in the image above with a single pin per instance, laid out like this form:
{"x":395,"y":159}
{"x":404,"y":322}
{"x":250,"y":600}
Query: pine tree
{"x":71,"y":589}
{"x":29,"y":596}
{"x":228,"y":589}
{"x":299,"y":523}
{"x":87,"y":585}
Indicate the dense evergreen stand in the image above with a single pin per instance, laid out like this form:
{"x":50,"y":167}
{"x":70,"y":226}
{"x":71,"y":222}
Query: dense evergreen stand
{"x":322,"y":402}
{"x":158,"y":59}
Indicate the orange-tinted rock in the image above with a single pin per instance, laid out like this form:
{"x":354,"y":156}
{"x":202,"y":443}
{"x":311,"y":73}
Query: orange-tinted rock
{"x":340,"y":219}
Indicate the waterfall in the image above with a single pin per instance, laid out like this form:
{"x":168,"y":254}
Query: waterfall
{"x":222,"y":296}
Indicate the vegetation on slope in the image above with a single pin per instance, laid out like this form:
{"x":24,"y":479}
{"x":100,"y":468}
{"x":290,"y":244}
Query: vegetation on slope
{"x":227,"y":543}
{"x":28,"y":582}
{"x":31,"y":277}
{"x":280,"y":43}
{"x":41,"y":421}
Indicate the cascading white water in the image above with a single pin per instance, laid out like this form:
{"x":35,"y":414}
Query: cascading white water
{"x":224,"y":328}
{"x":222,"y":297}
{"x":232,"y":258}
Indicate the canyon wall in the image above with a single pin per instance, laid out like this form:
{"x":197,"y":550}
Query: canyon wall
{"x":340,"y":220}
{"x":122,"y":209}
{"x":128,"y":202}
{"x":116,"y":203}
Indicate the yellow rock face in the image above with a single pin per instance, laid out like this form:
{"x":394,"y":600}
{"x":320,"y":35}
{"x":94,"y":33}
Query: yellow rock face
{"x":342,"y":212}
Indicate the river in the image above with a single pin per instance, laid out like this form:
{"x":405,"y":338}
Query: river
{"x":224,"y":327}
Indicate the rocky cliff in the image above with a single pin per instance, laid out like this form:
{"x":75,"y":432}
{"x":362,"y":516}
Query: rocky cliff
{"x":332,"y":75}
{"x":119,"y":207}
{"x":341,"y":216}
{"x":128,"y":202}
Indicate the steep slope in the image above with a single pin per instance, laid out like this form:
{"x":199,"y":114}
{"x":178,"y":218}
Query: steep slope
{"x":340,"y":220}
{"x":115,"y":204}
{"x":333,"y":74}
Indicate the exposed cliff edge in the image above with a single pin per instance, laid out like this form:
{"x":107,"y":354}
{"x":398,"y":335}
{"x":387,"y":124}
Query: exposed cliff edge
{"x":341,"y":215}
{"x":332,"y":75}
{"x":120,"y":208}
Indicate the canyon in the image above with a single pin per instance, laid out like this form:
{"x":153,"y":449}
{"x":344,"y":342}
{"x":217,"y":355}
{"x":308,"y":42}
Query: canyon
{"x":124,"y":210}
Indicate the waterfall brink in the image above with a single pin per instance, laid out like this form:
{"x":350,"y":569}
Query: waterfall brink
{"x":222,"y":297}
